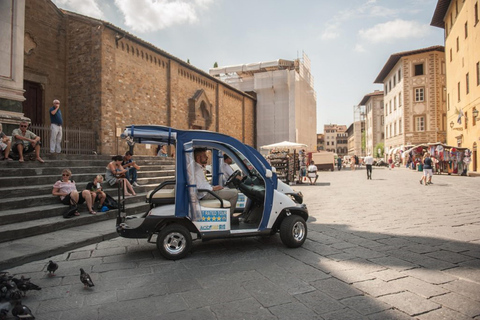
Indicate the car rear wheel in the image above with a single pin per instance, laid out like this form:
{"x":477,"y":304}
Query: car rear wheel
{"x":293,"y":231}
{"x":174,"y":242}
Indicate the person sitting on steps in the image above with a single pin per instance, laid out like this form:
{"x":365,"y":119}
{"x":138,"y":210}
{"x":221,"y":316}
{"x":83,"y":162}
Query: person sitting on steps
{"x":67,"y":191}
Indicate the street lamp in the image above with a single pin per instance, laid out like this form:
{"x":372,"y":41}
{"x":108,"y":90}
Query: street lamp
{"x":451,"y":124}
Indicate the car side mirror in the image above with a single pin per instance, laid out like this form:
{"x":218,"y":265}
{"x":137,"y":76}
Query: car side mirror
{"x":268,"y":173}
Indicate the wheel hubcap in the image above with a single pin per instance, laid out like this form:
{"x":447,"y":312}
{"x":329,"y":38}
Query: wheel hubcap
{"x":174,"y":243}
{"x":298,"y":231}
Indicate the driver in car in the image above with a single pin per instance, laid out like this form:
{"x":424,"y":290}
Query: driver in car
{"x":201,"y":159}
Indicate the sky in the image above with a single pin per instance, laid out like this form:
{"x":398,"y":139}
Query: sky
{"x":347,"y":41}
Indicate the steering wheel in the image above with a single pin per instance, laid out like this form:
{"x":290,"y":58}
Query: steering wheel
{"x":233,"y":176}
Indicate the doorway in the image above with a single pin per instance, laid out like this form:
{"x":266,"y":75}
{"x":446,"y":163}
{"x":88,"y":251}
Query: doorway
{"x":33,"y":106}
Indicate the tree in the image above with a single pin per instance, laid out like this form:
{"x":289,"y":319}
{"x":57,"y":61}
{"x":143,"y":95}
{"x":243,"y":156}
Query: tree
{"x":215,"y":65}
{"x":378,"y":147}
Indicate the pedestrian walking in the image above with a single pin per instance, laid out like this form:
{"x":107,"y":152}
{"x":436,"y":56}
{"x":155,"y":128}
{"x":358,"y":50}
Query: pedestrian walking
{"x":369,"y":163}
{"x":390,"y":163}
{"x":56,"y":122}
{"x":427,"y":170}
{"x":339,"y":163}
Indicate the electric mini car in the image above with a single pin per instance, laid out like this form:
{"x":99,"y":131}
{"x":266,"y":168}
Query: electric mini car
{"x":176,"y":212}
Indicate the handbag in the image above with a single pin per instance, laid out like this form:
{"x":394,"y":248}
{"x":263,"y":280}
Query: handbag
{"x":70,"y":212}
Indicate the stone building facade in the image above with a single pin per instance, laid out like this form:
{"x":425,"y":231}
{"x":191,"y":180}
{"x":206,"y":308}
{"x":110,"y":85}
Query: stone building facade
{"x":374,"y":122}
{"x":414,"y":98}
{"x":460,"y":20}
{"x":107,"y":79}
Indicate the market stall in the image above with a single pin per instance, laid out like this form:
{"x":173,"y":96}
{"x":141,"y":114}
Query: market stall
{"x":286,"y":160}
{"x":446,"y":159}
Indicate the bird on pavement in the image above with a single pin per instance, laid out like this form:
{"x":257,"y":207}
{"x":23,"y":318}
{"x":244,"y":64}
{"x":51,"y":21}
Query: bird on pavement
{"x":51,"y":268}
{"x":21,"y":311}
{"x":24,"y":284}
{"x":85,"y":278}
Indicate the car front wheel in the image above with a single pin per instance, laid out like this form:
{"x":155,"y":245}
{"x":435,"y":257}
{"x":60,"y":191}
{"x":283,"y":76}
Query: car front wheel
{"x":174,"y":242}
{"x":293,"y":231}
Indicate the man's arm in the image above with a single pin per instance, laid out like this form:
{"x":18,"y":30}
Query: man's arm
{"x":55,"y":109}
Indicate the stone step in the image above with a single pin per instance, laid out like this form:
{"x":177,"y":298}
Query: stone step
{"x":41,"y":247}
{"x":81,"y":179}
{"x":15,"y":210}
{"x":68,"y":163}
{"x":56,"y":171}
{"x":28,"y":228}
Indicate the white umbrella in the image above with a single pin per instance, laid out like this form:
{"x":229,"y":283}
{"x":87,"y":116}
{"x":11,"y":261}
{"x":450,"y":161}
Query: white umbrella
{"x":284,"y":145}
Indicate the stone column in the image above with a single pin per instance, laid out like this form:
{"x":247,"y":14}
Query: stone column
{"x":12,"y":24}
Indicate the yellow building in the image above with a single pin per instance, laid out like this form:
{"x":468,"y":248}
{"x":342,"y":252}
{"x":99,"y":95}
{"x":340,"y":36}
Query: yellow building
{"x":460,"y":19}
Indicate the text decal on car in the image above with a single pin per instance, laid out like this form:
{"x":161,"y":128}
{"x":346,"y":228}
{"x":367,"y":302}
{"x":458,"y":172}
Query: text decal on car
{"x":214,"y":215}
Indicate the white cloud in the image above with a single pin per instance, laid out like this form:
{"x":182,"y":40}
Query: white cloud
{"x":331,"y":32}
{"x":359,"y":48}
{"x":153,"y":15}
{"x":86,"y":7}
{"x":394,"y":30}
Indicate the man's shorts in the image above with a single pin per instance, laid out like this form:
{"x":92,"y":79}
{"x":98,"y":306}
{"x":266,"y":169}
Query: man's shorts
{"x":26,"y":147}
{"x":66,"y":200}
{"x":427,"y":172}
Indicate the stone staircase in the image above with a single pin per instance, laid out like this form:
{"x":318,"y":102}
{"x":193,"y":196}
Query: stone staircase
{"x":31,"y":222}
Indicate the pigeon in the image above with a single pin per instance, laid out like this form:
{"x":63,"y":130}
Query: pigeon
{"x":4,"y":309}
{"x":51,"y":268}
{"x":21,"y":311}
{"x":24,"y":284}
{"x":85,"y":278}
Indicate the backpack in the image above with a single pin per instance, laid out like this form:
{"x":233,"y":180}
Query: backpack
{"x":110,"y":202}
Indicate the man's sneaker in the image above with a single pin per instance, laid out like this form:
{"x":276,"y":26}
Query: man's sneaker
{"x":421,"y":182}
{"x":135,"y":184}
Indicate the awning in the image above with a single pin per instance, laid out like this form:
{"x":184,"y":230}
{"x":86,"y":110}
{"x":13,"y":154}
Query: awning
{"x":284,"y":145}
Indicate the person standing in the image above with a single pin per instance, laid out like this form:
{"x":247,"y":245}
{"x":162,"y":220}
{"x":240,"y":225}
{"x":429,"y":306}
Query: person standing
{"x":369,"y":163}
{"x":226,"y":169}
{"x":339,"y":163}
{"x":56,"y":123}
{"x":427,"y":170}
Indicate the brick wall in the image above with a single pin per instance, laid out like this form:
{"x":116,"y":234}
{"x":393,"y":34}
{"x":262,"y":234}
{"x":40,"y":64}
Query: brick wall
{"x":45,"y":49}
{"x":107,"y":79}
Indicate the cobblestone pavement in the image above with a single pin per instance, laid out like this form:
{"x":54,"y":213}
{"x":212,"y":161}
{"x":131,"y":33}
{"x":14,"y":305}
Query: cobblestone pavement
{"x":387,"y":248}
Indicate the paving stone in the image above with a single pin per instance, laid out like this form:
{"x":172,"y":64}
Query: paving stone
{"x":473,"y":274}
{"x":146,"y":291}
{"x":394,"y":263}
{"x":109,"y":252}
{"x":460,"y":303}
{"x":465,"y":288}
{"x":421,"y":248}
{"x":344,"y":314}
{"x":77,"y":255}
{"x":241,"y":309}
{"x":267,"y":293}
{"x":443,"y":314}
{"x":202,"y":313}
{"x":319,"y":302}
{"x":419,"y":287}
{"x":409,"y":303}
{"x":61,"y":304}
{"x":335,"y":288}
{"x":391,"y":314}
{"x":364,"y":253}
{"x":351,"y":276}
{"x":430,"y":276}
{"x":221,"y":294}
{"x":388,"y":275}
{"x":449,"y":256}
{"x":377,"y":287}
{"x":365,"y":305}
{"x":294,"y":310}
{"x":98,"y":298}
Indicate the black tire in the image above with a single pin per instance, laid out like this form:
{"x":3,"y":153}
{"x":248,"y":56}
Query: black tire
{"x":293,"y":231}
{"x":174,"y":242}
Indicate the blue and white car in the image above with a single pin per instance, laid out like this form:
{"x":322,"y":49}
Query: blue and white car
{"x":176,"y":212}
